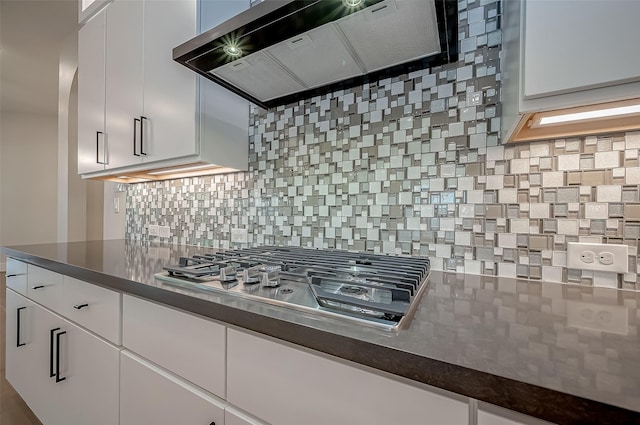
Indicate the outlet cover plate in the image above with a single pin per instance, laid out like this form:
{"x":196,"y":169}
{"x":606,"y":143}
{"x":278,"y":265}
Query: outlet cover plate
{"x":239,"y":235}
{"x":164,"y":231}
{"x":153,"y":230}
{"x":620,"y":254}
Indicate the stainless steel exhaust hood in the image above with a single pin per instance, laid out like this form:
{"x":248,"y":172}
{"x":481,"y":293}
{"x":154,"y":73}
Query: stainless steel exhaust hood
{"x":281,"y":51}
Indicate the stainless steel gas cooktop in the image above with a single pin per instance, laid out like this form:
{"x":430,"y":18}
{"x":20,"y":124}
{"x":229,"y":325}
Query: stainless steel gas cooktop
{"x":373,"y":289}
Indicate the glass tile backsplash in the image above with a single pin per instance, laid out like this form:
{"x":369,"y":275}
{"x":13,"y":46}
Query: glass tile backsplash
{"x":409,"y":165}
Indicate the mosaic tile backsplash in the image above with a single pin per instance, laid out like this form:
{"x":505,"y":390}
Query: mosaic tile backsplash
{"x":407,"y":166}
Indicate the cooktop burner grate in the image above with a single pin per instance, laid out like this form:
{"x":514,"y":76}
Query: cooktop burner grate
{"x":372,"y":288}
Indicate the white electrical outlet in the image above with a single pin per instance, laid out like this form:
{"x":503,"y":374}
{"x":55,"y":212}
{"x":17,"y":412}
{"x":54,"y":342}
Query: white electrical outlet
{"x":164,"y":231}
{"x":598,"y":317}
{"x":474,"y":99}
{"x":587,"y":256}
{"x":239,"y":235}
{"x":598,"y":256}
{"x":152,"y":230}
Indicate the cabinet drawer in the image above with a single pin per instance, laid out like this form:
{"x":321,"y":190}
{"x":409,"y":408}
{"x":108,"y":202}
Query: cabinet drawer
{"x":17,"y":276}
{"x":489,"y":414}
{"x":288,"y":386}
{"x":189,"y":346}
{"x":95,"y":308}
{"x":150,"y":395}
{"x":44,"y":287}
{"x":235,"y":417}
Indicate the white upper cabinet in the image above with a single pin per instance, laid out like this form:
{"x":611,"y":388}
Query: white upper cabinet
{"x":124,"y":83}
{"x":139,"y":110}
{"x":571,"y":46}
{"x":88,"y":8}
{"x":169,"y":107}
{"x":151,"y":100}
{"x":567,"y":54}
{"x":91,"y":92}
{"x":576,"y":53}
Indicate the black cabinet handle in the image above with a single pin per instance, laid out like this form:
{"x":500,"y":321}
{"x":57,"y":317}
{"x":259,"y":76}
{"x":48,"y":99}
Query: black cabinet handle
{"x":18,"y":343}
{"x":53,"y":331}
{"x":58,"y":377}
{"x":98,"y":133}
{"x":37,"y":287}
{"x":142,"y":120}
{"x":12,"y":275}
{"x":80,"y":306}
{"x":135,"y":133}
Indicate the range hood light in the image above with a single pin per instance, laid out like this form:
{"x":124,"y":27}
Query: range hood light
{"x":590,"y":115}
{"x":352,"y":3}
{"x":283,"y":51}
{"x":233,"y":51}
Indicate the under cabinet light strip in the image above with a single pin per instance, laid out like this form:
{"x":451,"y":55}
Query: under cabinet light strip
{"x":180,"y":170}
{"x":600,"y":113}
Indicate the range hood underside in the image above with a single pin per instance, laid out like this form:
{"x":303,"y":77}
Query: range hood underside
{"x":280,"y":64}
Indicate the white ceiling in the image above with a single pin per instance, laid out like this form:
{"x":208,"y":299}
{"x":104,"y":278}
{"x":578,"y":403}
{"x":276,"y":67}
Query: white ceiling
{"x":31,"y":35}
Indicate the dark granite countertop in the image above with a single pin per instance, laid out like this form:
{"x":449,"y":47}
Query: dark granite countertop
{"x":564,"y":353}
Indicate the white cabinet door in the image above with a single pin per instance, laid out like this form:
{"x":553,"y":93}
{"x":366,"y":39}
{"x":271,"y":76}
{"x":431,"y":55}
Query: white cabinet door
{"x":494,"y":415}
{"x":288,"y":386}
{"x":17,"y":276}
{"x":22,"y":346}
{"x":91,"y":94}
{"x":169,"y":88}
{"x":30,"y":368}
{"x":65,"y":375}
{"x":187,"y":345}
{"x":150,"y":395}
{"x":124,"y":82}
{"x":90,"y":368}
{"x":235,"y":417}
{"x":565,"y":54}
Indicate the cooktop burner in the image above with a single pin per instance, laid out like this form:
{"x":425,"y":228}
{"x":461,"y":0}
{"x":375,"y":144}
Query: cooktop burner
{"x":375,"y":289}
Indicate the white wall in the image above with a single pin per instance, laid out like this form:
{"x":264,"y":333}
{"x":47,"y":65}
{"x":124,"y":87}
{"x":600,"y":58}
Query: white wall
{"x":28,"y":178}
{"x":70,"y":192}
{"x":114,"y":222}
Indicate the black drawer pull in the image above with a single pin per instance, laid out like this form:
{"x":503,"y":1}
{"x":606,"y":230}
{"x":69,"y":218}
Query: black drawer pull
{"x":12,"y":275}
{"x":80,"y":306}
{"x":98,"y":133}
{"x":135,"y":133}
{"x":53,"y":331}
{"x":142,"y":120}
{"x":37,"y":287}
{"x":58,"y":377}
{"x":18,"y":343}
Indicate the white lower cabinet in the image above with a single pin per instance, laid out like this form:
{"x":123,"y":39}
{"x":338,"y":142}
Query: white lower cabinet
{"x":288,"y":386}
{"x":29,"y":360}
{"x":44,"y":287}
{"x":91,"y":385}
{"x":150,"y":395}
{"x":493,"y":415}
{"x":235,"y":417}
{"x":187,"y":345}
{"x":179,"y":368}
{"x":17,"y":276}
{"x":65,"y":374}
